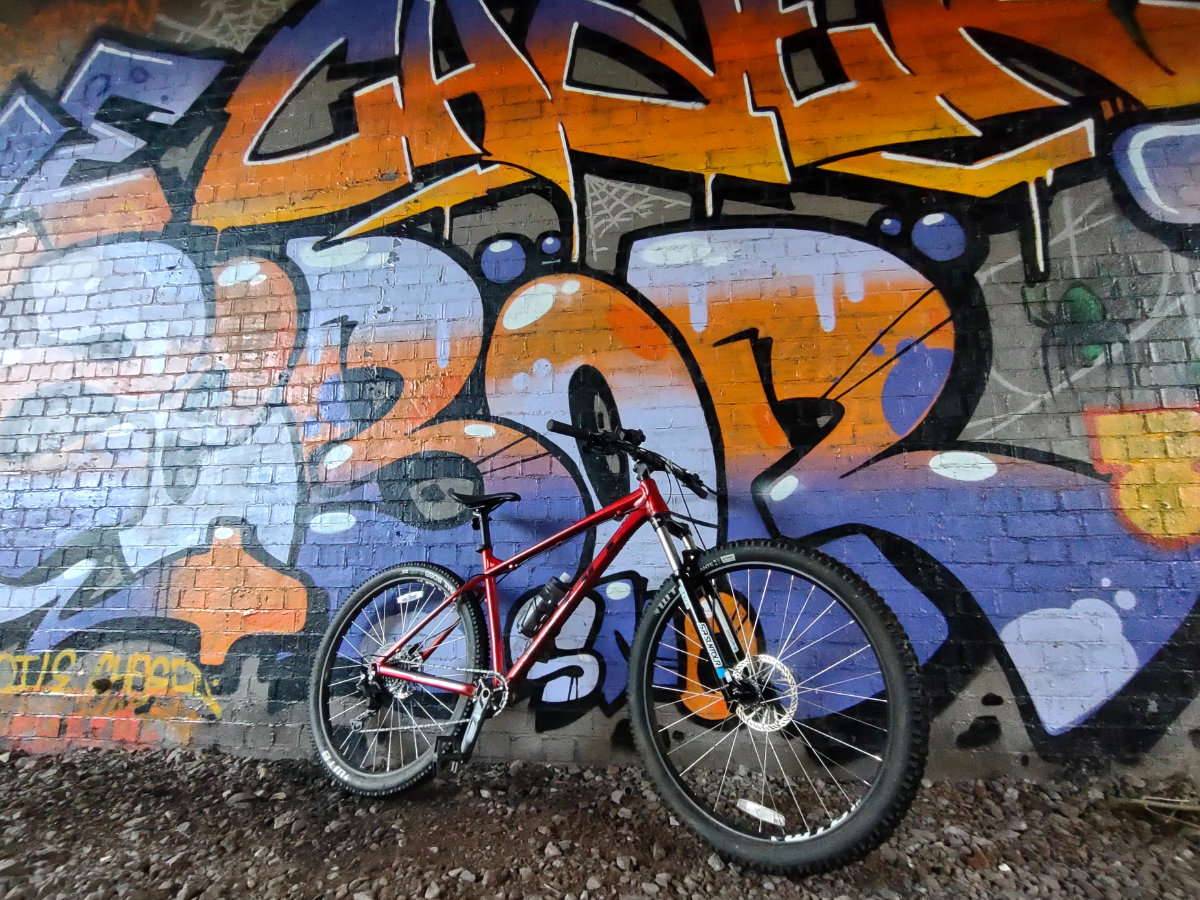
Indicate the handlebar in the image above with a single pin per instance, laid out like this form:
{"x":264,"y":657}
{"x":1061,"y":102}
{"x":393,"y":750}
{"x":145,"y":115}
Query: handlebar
{"x":629,"y":441}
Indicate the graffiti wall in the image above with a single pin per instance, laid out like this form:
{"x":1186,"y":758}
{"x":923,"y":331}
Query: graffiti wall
{"x":912,"y":281}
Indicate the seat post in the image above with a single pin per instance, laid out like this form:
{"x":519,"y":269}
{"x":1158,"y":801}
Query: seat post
{"x":482,"y":523}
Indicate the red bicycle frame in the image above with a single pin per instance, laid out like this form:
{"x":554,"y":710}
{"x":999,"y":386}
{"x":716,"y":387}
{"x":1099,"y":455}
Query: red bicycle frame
{"x":644,"y":504}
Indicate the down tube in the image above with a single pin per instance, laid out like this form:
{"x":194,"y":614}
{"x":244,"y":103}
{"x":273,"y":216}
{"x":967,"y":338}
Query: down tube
{"x":599,"y":564}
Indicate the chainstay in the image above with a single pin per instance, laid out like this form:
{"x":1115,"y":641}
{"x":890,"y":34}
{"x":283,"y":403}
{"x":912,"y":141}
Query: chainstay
{"x":450,"y":723}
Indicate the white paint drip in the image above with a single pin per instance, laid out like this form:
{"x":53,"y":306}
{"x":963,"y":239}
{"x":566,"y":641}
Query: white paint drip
{"x":823,"y":294}
{"x":854,"y":286}
{"x":443,"y":343}
{"x":698,"y":307}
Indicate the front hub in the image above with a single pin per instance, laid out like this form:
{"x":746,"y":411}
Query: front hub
{"x":767,"y":693}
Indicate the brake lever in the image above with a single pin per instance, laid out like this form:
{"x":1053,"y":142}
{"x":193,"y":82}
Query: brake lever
{"x":691,"y":481}
{"x":630,"y":435}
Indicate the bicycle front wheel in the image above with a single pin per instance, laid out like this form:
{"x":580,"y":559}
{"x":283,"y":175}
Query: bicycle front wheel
{"x":816,"y":756}
{"x":378,"y":736}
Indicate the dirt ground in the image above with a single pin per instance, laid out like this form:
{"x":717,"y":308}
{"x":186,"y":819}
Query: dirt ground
{"x":182,"y":824}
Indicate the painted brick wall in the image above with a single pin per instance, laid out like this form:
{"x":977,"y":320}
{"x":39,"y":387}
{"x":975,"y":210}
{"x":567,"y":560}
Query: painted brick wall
{"x":275,"y":276}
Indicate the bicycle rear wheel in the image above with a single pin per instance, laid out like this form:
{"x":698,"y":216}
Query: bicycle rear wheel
{"x":378,"y":736}
{"x":820,"y":759}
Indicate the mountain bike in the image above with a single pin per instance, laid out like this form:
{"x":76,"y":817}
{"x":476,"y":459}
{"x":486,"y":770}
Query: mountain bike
{"x":773,"y":695}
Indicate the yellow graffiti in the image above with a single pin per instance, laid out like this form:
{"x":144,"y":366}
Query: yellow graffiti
{"x":52,"y":673}
{"x":113,"y":683}
{"x":1154,"y":458}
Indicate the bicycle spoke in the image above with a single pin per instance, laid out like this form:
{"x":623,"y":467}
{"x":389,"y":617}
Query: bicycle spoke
{"x":700,"y":759}
{"x":349,"y":710}
{"x":690,"y":715}
{"x":837,"y":740}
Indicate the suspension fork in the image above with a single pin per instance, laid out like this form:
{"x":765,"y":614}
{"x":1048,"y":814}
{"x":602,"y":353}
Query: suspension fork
{"x":720,"y":643}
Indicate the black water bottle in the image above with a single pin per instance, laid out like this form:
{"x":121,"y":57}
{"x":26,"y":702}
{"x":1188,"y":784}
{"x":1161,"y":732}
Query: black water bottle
{"x":538,"y":610}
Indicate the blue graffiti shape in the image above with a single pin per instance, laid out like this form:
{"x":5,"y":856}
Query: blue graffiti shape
{"x":28,"y":131}
{"x":119,"y":96}
{"x":1157,"y":163}
{"x":1075,"y":602}
{"x":503,"y":260}
{"x":118,"y":89}
{"x":940,"y":237}
{"x":905,"y":393}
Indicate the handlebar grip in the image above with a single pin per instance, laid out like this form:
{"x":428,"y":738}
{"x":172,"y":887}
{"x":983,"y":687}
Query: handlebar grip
{"x":569,"y":430}
{"x":618,"y":436}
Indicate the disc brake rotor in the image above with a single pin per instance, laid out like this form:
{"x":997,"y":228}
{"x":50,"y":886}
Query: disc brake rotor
{"x":777,"y":692}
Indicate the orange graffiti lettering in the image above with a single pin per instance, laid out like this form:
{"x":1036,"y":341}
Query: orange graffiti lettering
{"x":798,"y":90}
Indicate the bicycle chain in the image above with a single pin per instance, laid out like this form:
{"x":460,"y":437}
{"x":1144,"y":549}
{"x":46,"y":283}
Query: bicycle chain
{"x":502,"y":691}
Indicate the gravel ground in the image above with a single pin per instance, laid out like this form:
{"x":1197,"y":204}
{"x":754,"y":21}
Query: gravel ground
{"x":183,"y":824}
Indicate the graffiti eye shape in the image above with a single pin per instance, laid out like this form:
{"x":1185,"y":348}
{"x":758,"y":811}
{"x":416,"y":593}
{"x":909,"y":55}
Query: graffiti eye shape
{"x":594,"y":408}
{"x":503,"y":260}
{"x":416,"y":489}
{"x":940,"y":236}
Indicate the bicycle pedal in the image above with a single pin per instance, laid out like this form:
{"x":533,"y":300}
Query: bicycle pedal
{"x":449,"y":754}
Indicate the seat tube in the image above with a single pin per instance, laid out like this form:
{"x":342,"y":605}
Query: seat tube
{"x":491,"y":609}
